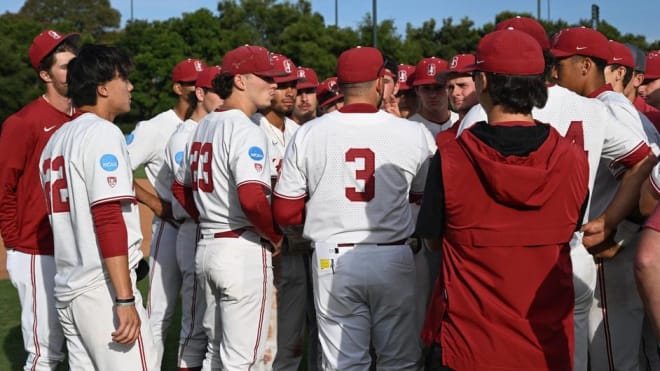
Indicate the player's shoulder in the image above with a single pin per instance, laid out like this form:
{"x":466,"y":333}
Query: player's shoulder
{"x":28,"y":116}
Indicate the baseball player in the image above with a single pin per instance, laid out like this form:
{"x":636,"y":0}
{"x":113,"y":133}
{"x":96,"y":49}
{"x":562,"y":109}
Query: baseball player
{"x":433,"y":104}
{"x":146,"y":146}
{"x":506,"y":268}
{"x":228,"y":172}
{"x":588,"y":122}
{"x":631,"y":91}
{"x":192,"y":339}
{"x":651,"y":84}
{"x":329,"y":96}
{"x":23,"y":219}
{"x":306,"y":102}
{"x":406,"y":94}
{"x":87,"y":181}
{"x":460,"y":86}
{"x":350,"y":173}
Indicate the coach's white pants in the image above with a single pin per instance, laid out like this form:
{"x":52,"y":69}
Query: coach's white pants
{"x":33,"y":276}
{"x":238,"y":285}
{"x":584,"y":282}
{"x":164,"y":281}
{"x":192,"y":338}
{"x":88,"y":322}
{"x":367,"y":294}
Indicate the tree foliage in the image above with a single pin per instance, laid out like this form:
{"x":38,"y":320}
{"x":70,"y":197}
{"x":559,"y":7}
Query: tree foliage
{"x":289,"y":27}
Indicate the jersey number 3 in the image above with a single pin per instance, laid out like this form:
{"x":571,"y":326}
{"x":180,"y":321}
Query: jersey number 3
{"x":202,"y":180}
{"x":366,"y":174}
{"x":56,"y":193}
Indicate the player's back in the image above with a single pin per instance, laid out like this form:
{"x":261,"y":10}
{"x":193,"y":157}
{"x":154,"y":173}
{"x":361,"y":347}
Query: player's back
{"x":81,"y":168}
{"x":360,"y":169}
{"x":222,"y":158}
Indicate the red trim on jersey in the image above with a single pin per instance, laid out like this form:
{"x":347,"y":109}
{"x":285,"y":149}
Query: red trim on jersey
{"x":597,"y":92}
{"x":359,"y":108}
{"x":112,"y":199}
{"x":264,"y":295}
{"x":288,"y":211}
{"x":35,"y":332}
{"x":513,"y":123}
{"x":633,"y":157}
{"x":110,"y":229}
{"x":184,"y":195}
{"x":600,"y":268}
{"x":255,"y":205}
{"x":267,"y":186}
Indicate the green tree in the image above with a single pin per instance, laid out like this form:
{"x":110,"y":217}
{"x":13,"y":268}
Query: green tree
{"x":89,"y":16}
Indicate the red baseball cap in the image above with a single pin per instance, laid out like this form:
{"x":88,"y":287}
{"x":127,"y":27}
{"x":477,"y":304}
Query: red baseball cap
{"x":580,"y":41}
{"x":283,"y":64}
{"x":359,"y":64}
{"x":205,"y":78}
{"x":652,"y":66}
{"x":328,"y":92}
{"x":406,"y":76}
{"x":44,"y":43}
{"x":307,"y":78}
{"x":530,"y":26}
{"x":250,"y":59}
{"x":458,"y":65}
{"x":187,"y":70}
{"x":509,"y":52}
{"x":620,"y":54}
{"x":427,"y":69}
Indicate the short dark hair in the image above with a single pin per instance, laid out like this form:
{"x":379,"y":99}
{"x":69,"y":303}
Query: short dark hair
{"x":223,"y":84}
{"x":68,"y":45}
{"x":627,"y":76}
{"x":517,"y":94}
{"x":94,"y":65}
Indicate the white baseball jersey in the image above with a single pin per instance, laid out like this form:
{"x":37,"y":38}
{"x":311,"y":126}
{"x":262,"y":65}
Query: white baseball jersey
{"x":277,"y":139}
{"x":226,"y":151}
{"x":434,"y":127}
{"x":584,"y":120}
{"x":146,"y":146}
{"x":175,"y":151}
{"x":357,"y":170}
{"x":85,"y":163}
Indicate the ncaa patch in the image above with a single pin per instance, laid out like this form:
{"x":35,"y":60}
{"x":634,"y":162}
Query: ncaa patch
{"x":256,"y":153}
{"x":129,"y":138}
{"x":178,"y":157}
{"x":109,"y":162}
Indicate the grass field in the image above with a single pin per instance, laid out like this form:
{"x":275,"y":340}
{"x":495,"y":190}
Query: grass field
{"x":13,"y":356}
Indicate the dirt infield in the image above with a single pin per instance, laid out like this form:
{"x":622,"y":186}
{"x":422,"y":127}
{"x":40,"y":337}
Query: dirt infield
{"x":145,"y":222}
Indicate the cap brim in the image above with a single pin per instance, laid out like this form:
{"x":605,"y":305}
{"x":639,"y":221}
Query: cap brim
{"x":285,"y":78}
{"x":444,"y":75}
{"x":270,"y":73}
{"x":558,"y":53}
{"x":331,"y":100}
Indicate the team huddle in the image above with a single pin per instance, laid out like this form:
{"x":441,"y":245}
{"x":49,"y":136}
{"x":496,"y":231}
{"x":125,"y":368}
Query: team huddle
{"x":496,"y":211}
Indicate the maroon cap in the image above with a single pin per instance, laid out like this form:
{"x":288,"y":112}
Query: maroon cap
{"x":652,"y":65}
{"x":187,"y":70}
{"x":307,"y":78}
{"x":205,"y":78}
{"x":250,"y":59}
{"x":509,"y":52}
{"x":44,"y":43}
{"x":620,"y":54}
{"x":360,"y":64}
{"x":530,"y":26}
{"x":406,"y":76}
{"x":580,"y":41}
{"x":457,"y":65}
{"x":328,"y":92}
{"x":286,"y":67}
{"x":427,"y":69}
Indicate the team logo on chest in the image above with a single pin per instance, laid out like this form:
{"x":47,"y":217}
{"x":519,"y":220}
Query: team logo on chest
{"x":112,"y":181}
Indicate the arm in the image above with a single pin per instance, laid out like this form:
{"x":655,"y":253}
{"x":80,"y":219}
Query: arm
{"x":113,"y":243}
{"x":624,"y":203}
{"x":650,"y":192}
{"x":647,"y":270}
{"x":257,"y":209}
{"x":14,"y":143}
{"x":184,"y":195}
{"x":160,"y":207}
{"x":431,"y":217}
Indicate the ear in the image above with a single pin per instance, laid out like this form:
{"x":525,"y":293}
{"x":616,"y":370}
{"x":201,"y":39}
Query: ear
{"x":44,"y":75}
{"x":586,"y":65}
{"x":481,"y":80}
{"x":637,"y":79}
{"x":102,"y":90}
{"x":177,"y":89}
{"x":240,"y":82}
{"x":199,"y":93}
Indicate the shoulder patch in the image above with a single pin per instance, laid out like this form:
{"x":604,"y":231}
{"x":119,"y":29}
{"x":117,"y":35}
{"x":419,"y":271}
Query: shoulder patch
{"x":256,"y":153}
{"x":129,"y":138}
{"x":178,"y":157}
{"x":109,"y":162}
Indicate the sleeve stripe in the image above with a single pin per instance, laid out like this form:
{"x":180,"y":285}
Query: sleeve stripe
{"x":290,"y":197}
{"x":633,"y":156}
{"x":253,"y":182}
{"x":111,"y":199}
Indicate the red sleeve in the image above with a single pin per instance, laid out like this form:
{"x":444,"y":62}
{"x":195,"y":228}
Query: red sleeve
{"x":14,"y":144}
{"x":257,"y":209}
{"x":110,"y":229}
{"x":288,"y":211}
{"x":631,"y":158}
{"x":185,"y":197}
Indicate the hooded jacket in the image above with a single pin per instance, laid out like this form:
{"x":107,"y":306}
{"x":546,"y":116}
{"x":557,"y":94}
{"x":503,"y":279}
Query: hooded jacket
{"x":506,"y":269}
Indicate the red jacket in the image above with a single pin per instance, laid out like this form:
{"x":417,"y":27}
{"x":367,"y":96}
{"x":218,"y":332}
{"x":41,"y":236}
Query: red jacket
{"x":506,"y":283}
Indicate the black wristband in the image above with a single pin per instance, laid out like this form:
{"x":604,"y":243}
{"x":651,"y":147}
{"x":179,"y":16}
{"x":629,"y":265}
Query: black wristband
{"x":130,"y":300}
